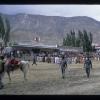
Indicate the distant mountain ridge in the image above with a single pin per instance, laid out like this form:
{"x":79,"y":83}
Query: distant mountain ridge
{"x":50,"y":29}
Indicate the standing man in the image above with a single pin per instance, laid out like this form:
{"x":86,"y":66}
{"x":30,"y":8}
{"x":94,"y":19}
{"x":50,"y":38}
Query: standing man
{"x":63,"y":65}
{"x":34,"y":59}
{"x":1,"y":71}
{"x":88,"y":66}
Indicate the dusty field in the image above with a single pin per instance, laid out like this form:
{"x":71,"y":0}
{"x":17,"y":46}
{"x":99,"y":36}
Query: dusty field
{"x":46,"y":79}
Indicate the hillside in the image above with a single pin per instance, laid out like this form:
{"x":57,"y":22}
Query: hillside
{"x":50,"y":29}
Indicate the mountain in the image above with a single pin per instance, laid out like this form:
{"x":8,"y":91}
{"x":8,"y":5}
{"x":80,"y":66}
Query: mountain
{"x":50,"y":29}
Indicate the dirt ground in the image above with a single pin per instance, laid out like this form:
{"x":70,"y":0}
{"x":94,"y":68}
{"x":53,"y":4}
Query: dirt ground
{"x":46,"y":79}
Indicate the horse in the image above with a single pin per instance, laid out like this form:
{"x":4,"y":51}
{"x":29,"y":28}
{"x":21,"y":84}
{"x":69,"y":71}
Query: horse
{"x":22,"y":65}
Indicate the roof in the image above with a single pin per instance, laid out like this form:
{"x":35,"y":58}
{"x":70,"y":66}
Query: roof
{"x":74,"y":49}
{"x":95,"y":44}
{"x":38,"y":45}
{"x":34,"y":43}
{"x":97,"y":47}
{"x":47,"y":46}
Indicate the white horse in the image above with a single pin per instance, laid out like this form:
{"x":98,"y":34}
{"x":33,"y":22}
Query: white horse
{"x":22,"y":65}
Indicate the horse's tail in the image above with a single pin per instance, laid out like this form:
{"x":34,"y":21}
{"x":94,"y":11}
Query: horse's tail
{"x":26,"y":69}
{"x":28,"y":65}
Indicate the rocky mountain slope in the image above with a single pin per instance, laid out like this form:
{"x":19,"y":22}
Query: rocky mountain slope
{"x":50,"y":29}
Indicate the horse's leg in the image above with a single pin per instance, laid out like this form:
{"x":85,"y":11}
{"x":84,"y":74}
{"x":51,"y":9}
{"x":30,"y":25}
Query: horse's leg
{"x":23,"y":69}
{"x":8,"y":72}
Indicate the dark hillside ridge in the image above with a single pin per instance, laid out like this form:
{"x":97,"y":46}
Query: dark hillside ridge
{"x":50,"y":29}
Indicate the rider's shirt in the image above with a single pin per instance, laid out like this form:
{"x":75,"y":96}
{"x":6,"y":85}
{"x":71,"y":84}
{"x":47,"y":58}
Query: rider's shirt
{"x":13,"y":61}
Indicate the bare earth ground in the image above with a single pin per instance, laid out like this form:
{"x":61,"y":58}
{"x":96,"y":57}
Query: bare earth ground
{"x":46,"y":79}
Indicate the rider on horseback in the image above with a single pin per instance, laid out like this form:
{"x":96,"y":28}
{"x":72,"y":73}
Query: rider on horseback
{"x":13,"y":61}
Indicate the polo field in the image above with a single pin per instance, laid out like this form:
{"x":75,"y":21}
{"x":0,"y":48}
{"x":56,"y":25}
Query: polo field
{"x":45,"y":78}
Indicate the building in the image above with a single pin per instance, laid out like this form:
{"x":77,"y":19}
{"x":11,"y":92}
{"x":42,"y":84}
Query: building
{"x":36,"y":47}
{"x":97,"y":47}
{"x":71,"y":49}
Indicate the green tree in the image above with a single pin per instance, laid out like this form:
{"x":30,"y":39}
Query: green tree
{"x":91,"y":37}
{"x":77,"y":44}
{"x":80,"y":35}
{"x":72,"y":38}
{"x":68,"y":40}
{"x":64,"y":41}
{"x":84,"y":39}
{"x":4,"y":29}
{"x":87,"y":46}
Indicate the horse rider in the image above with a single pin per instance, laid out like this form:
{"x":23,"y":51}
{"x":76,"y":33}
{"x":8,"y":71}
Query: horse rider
{"x":63,"y":64}
{"x":13,"y":62}
{"x":87,"y":66}
{"x":1,"y":71}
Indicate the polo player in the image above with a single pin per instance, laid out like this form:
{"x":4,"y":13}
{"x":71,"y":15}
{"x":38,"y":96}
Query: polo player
{"x":88,"y":66}
{"x":63,"y":65}
{"x":13,"y":62}
{"x":1,"y":71}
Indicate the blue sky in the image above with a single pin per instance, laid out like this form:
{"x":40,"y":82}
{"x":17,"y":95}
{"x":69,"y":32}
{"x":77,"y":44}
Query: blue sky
{"x":54,"y":10}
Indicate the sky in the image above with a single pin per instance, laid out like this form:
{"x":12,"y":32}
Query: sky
{"x":92,"y":11}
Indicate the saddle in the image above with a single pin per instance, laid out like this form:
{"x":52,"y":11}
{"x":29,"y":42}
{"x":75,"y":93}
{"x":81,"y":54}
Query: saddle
{"x":14,"y":62}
